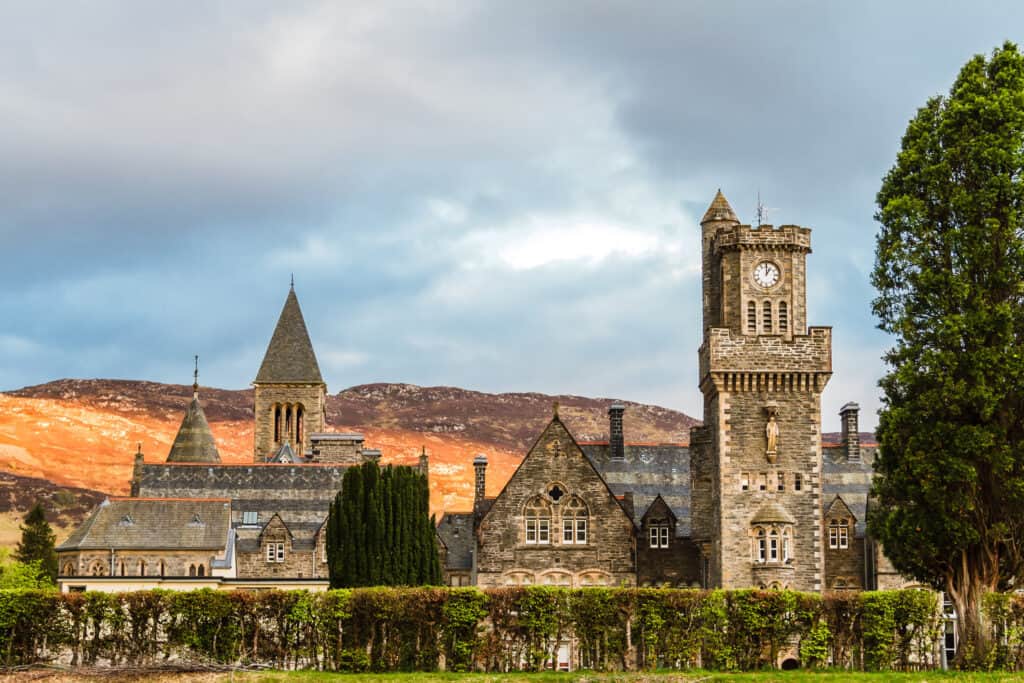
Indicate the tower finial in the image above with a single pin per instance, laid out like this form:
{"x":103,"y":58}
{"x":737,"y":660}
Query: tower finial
{"x":554,"y":408}
{"x":195,"y":379}
{"x":293,"y":280}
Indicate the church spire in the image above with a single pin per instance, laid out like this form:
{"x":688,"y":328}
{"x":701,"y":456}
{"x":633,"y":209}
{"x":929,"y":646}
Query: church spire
{"x":194,"y":442}
{"x":290,"y":357}
{"x":720,"y":210}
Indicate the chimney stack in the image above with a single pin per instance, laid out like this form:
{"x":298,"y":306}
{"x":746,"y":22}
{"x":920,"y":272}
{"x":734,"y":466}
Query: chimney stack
{"x":616,"y":442}
{"x":480,"y":470}
{"x":851,"y":431}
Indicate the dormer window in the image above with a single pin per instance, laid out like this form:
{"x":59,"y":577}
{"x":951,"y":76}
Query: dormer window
{"x":838,"y":534}
{"x":250,"y":517}
{"x":127,"y":520}
{"x":197,"y":520}
{"x":658,"y":535}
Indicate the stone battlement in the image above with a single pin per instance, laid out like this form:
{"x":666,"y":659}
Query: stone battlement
{"x":724,"y":351}
{"x":784,"y":237}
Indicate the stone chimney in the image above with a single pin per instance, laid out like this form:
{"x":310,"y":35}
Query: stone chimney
{"x":137,"y":471}
{"x":480,"y":470}
{"x":851,"y":431}
{"x":616,"y":442}
{"x":424,"y":463}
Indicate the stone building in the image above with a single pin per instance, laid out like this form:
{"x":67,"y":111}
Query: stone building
{"x":194,"y":521}
{"x":756,"y":499}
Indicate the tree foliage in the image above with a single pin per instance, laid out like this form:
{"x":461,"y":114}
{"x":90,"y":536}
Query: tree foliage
{"x":37,"y":543}
{"x":949,"y":271}
{"x":380,"y":532}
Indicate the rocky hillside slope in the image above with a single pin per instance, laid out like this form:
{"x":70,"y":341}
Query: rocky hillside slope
{"x":80,"y":435}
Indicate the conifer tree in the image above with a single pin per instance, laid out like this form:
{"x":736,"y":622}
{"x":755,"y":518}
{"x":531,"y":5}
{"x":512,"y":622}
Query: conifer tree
{"x":949,"y":271}
{"x":38,"y":542}
{"x":380,"y":531}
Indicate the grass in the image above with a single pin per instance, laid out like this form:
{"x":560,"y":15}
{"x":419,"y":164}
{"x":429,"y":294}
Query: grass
{"x":680,"y":677}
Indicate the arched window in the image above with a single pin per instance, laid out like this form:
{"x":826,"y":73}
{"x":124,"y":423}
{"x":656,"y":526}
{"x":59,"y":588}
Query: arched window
{"x":162,"y":567}
{"x":759,"y":545}
{"x":277,"y":423}
{"x":142,"y":567}
{"x":786,"y":545}
{"x":751,"y":317}
{"x":201,"y":571}
{"x":300,"y":413}
{"x":574,"y":521}
{"x":98,"y":568}
{"x":773,"y":545}
{"x":69,"y":569}
{"x":537,"y":516}
{"x":120,"y":567}
{"x":783,"y":317}
{"x":191,"y":570}
{"x":766,"y":317}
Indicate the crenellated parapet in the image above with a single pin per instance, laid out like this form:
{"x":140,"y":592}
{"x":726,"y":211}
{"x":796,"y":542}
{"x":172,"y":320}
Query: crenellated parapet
{"x":781,"y":238}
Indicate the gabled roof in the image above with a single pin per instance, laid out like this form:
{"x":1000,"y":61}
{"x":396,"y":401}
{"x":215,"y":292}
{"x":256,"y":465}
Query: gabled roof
{"x":194,"y":442}
{"x":284,"y":454}
{"x":290,"y":357}
{"x":720,"y":210}
{"x":839,"y":508}
{"x":560,"y":430}
{"x":154,"y":523}
{"x":660,"y":508}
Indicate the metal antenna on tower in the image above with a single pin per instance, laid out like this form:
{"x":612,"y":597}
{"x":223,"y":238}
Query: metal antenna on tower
{"x":762,"y":211}
{"x":195,"y":379}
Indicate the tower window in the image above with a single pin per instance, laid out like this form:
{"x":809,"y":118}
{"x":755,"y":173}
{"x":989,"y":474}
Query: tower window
{"x":798,"y":481}
{"x":744,"y":481}
{"x":780,"y":481}
{"x":783,"y":317}
{"x":762,"y":481}
{"x":766,"y":317}
{"x":277,"y":423}
{"x":299,"y":414}
{"x":751,"y":317}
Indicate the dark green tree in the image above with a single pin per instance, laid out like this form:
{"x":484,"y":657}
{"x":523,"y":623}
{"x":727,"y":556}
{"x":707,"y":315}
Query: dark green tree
{"x":949,"y":271}
{"x":38,"y":542}
{"x":380,"y":532}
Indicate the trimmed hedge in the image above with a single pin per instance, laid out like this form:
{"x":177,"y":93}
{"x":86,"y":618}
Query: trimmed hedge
{"x":507,"y":629}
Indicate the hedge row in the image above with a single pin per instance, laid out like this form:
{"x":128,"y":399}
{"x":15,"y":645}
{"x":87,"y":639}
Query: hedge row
{"x":426,"y":629}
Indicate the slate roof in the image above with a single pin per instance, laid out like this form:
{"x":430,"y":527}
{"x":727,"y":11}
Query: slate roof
{"x":851,"y":481}
{"x":456,"y":532}
{"x":154,"y":523}
{"x":720,"y":210}
{"x":194,"y":442}
{"x":647,"y":471}
{"x":290,"y":356}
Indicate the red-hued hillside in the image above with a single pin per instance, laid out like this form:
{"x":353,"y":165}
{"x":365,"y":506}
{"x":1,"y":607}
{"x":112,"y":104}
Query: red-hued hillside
{"x":83,"y":433}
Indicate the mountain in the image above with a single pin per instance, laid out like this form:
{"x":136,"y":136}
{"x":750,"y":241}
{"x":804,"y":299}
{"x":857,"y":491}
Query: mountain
{"x":79,"y":436}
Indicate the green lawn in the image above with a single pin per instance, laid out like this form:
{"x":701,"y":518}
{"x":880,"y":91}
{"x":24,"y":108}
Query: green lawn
{"x":694,"y":676}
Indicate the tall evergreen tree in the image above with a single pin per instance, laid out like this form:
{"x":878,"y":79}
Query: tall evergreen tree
{"x":38,"y":542}
{"x":950,"y":277}
{"x":380,"y":531}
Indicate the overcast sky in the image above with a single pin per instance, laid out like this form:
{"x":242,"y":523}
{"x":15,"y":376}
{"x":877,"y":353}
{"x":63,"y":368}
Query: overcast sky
{"x":499,"y":196}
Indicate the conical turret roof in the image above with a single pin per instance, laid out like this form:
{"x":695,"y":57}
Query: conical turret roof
{"x":194,"y":442}
{"x":290,"y":357}
{"x":720,"y":210}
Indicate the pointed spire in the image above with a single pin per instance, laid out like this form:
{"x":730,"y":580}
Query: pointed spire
{"x":720,"y":210}
{"x":290,"y":357}
{"x":194,"y":442}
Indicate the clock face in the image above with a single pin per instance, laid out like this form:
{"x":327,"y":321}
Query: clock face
{"x":766,"y":274}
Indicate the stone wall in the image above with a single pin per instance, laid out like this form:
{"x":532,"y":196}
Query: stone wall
{"x":176,"y":562}
{"x":503,"y":555}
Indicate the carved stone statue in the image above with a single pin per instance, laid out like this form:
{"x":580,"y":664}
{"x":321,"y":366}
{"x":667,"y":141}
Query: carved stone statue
{"x":771,"y":430}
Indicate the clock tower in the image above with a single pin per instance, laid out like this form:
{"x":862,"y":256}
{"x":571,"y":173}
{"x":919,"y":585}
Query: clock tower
{"x":756,"y":460}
